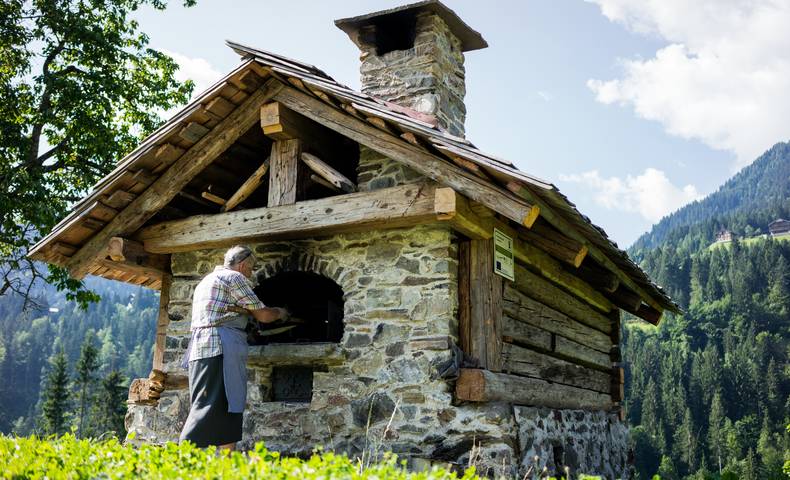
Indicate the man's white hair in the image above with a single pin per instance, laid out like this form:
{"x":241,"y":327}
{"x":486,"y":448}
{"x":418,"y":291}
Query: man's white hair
{"x":236,"y":255}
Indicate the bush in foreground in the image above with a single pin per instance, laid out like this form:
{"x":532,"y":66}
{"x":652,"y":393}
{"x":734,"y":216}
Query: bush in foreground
{"x":69,"y":458}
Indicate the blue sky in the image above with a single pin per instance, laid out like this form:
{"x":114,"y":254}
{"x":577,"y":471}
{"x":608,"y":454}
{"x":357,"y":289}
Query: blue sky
{"x":631,"y":107}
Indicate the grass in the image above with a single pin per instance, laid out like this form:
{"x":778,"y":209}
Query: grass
{"x":750,"y":241}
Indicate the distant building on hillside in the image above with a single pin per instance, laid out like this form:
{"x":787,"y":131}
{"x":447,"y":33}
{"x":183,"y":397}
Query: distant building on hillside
{"x":723,"y":235}
{"x":779,"y":227}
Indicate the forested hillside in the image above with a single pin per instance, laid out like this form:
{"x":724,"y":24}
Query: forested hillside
{"x":745,"y":205}
{"x":709,"y":391}
{"x":120,"y":327}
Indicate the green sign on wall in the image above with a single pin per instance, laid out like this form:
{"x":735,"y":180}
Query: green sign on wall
{"x":503,"y":255}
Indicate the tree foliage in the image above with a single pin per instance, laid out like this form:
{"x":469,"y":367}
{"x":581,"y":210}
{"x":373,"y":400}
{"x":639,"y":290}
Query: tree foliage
{"x":79,"y":87}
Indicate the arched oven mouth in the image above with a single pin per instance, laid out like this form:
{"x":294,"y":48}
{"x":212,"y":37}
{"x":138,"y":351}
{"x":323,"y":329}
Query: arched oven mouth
{"x":315,"y":300}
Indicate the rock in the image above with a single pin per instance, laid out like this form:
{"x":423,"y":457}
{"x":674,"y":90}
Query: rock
{"x":377,"y":407}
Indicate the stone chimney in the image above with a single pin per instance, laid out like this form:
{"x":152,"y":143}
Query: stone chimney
{"x":413,"y":56}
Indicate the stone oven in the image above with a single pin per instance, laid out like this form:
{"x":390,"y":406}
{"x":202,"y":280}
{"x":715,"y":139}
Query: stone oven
{"x":453,"y":306}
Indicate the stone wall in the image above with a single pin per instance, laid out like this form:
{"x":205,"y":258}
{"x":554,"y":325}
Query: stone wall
{"x":376,"y":171}
{"x":585,"y":441}
{"x":429,"y":77}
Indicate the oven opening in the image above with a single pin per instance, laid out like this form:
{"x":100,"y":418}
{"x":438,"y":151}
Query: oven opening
{"x":314,"y":299}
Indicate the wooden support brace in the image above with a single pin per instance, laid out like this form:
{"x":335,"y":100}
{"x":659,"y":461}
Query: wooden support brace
{"x":286,"y":185}
{"x":328,"y":173}
{"x":213,"y":198}
{"x":248,"y":187}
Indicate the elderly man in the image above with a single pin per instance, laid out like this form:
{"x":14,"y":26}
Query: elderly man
{"x":217,"y":352}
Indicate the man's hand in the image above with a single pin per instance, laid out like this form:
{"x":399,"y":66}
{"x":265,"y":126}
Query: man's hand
{"x":269,"y":315}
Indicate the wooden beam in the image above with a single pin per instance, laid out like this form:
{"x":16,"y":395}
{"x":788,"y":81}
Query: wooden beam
{"x":174,"y":179}
{"x":129,"y":251}
{"x":454,"y":207}
{"x":394,"y":207}
{"x":523,"y":361}
{"x":320,"y":181}
{"x":213,"y":198}
{"x":625,"y":298}
{"x":598,"y":277}
{"x":484,"y":386}
{"x":464,"y":297}
{"x":162,"y":322}
{"x":553,"y":242}
{"x":248,"y":187}
{"x":399,"y":150}
{"x":485,"y":300}
{"x":328,"y":173}
{"x":284,"y":178}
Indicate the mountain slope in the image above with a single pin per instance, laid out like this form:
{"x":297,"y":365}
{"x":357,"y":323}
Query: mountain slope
{"x":752,"y":198}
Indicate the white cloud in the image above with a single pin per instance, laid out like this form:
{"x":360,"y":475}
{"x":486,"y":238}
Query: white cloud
{"x":723,"y":77}
{"x":650,"y":194}
{"x":199,"y":70}
{"x":545,"y":96}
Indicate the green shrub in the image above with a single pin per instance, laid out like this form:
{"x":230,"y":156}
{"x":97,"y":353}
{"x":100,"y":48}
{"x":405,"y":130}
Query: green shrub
{"x":69,"y":458}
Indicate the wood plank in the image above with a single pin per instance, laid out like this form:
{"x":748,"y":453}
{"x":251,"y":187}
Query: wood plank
{"x":174,"y":179}
{"x":394,"y":207}
{"x":523,"y":361}
{"x":284,"y":175}
{"x":486,"y":307}
{"x":579,"y":353}
{"x":220,"y":107}
{"x":248,"y":187}
{"x":165,"y":155}
{"x":328,"y":173}
{"x":521,"y":307}
{"x":127,"y":270}
{"x":119,"y":199}
{"x":516,"y":331}
{"x":464,"y":296}
{"x":485,"y":386}
{"x":192,"y":132}
{"x":400,"y":150}
{"x":547,"y":293}
{"x":162,"y":322}
{"x":553,"y":271}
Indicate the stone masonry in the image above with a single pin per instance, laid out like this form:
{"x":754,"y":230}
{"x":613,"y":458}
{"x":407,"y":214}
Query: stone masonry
{"x":429,"y":77}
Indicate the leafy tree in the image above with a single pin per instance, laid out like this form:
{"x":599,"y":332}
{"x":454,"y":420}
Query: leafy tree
{"x":85,"y":379}
{"x":79,"y":87}
{"x":56,"y":395}
{"x":111,"y":404}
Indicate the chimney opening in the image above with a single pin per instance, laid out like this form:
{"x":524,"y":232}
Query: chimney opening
{"x":313,"y":298}
{"x":395,"y":32}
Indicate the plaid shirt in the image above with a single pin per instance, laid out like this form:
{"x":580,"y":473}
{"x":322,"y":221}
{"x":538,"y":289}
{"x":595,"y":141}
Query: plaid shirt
{"x":218,"y":290}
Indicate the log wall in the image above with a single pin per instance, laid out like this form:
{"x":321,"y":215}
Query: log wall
{"x":554,"y":345}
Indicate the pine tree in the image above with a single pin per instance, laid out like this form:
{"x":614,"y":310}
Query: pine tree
{"x":87,"y":366}
{"x":110,"y":407}
{"x":667,"y":470}
{"x":750,"y":467}
{"x":55,"y":395}
{"x":651,"y":415}
{"x":685,"y":445}
{"x":716,"y":431}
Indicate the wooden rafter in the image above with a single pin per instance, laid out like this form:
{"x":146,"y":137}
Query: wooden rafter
{"x":175,"y":178}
